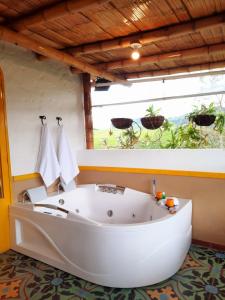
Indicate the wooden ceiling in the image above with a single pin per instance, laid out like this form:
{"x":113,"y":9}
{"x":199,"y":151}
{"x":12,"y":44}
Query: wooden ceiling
{"x":94,"y":36}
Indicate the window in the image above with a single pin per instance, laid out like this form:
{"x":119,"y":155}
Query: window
{"x":175,"y":99}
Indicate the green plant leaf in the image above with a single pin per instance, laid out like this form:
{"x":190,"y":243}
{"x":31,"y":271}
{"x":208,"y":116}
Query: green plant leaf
{"x":151,"y":112}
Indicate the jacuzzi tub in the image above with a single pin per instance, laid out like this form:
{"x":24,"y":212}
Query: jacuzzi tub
{"x":110,"y":239}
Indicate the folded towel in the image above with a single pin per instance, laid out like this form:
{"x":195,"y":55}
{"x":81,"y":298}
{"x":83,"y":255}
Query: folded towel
{"x":47,"y":162}
{"x":67,"y":160}
{"x":36,"y":194}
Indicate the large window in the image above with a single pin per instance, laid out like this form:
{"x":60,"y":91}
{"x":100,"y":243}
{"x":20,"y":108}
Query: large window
{"x":177,"y":100}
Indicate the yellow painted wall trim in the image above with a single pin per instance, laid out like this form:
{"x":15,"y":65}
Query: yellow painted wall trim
{"x":214,"y":175}
{"x":26,"y":177}
{"x":154,"y":171}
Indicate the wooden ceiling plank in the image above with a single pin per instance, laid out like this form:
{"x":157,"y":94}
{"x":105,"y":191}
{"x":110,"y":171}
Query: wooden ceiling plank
{"x":40,"y":38}
{"x":56,"y":37}
{"x":53,"y":12}
{"x":186,"y":9}
{"x":150,"y":36}
{"x":70,"y":22}
{"x":137,"y":16}
{"x":171,"y":56}
{"x":173,"y":9}
{"x":124,"y":15}
{"x":147,"y":14}
{"x":111,"y":21}
{"x":11,"y":36}
{"x":26,"y":7}
{"x":200,"y":7}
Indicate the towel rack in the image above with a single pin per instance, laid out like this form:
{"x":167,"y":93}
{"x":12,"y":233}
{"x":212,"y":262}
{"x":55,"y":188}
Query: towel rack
{"x":59,"y":119}
{"x":42,"y":119}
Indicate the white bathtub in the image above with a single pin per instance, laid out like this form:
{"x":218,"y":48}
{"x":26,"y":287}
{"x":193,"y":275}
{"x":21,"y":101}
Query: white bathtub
{"x":109,"y":239}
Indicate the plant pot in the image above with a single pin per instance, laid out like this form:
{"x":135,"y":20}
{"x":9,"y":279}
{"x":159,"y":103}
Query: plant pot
{"x":204,"y":120}
{"x":122,"y":123}
{"x":152,"y":122}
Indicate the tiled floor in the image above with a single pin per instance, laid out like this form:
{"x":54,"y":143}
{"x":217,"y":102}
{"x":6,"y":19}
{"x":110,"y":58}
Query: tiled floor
{"x":202,"y":276}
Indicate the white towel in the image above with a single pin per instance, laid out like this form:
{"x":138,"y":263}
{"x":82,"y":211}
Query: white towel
{"x":67,"y":159}
{"x":47,"y":162}
{"x":68,"y":187}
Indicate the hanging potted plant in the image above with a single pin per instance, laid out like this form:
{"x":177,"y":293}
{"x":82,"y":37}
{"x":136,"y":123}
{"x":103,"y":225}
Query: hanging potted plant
{"x":126,"y":138}
{"x":152,"y":119}
{"x":203,"y":116}
{"x":122,"y":123}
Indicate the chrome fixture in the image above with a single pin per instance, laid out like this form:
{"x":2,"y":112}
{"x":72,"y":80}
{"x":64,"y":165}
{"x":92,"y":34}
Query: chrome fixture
{"x":154,"y":187}
{"x":25,"y":198}
{"x":61,"y":201}
{"x":110,"y":213}
{"x":110,"y":188}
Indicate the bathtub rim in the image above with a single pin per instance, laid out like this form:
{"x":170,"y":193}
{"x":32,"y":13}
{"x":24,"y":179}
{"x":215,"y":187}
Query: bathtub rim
{"x":30,"y":207}
{"x":151,"y":198}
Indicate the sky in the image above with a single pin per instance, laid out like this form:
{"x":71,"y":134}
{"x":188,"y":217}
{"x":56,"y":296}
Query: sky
{"x":152,"y":90}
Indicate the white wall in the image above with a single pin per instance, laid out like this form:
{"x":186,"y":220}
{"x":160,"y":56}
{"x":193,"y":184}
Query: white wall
{"x":207,"y":160}
{"x":34,"y":88}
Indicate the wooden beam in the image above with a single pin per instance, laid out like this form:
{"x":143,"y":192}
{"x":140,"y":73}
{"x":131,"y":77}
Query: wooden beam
{"x":53,"y":12}
{"x":88,"y":110}
{"x":172,"y":71}
{"x":75,"y":70}
{"x":29,"y":43}
{"x":150,"y":36}
{"x":171,"y":56}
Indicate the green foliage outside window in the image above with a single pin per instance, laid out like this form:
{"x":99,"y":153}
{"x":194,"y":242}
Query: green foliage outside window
{"x":170,"y":135}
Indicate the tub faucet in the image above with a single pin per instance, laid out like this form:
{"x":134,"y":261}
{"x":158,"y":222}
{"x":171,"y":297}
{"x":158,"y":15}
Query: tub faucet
{"x":154,"y":187}
{"x":24,"y":198}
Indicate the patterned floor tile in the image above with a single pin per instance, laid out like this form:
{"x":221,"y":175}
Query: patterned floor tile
{"x":201,"y":277}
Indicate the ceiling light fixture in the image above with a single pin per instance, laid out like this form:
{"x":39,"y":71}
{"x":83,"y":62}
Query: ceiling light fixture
{"x":135,"y":45}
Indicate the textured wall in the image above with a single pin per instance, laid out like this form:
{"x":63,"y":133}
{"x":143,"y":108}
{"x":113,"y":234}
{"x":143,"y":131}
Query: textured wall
{"x":34,"y":88}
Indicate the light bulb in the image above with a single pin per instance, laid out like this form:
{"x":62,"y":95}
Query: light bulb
{"x":135,"y":55}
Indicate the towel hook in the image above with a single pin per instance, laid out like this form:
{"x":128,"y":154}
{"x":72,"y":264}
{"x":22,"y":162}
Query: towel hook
{"x":59,"y":119}
{"x":42,"y":119}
